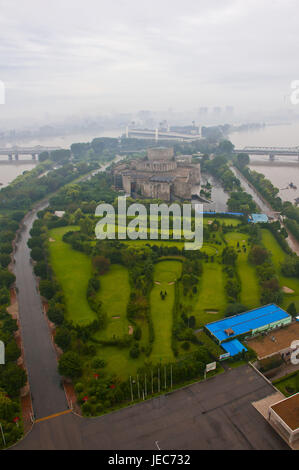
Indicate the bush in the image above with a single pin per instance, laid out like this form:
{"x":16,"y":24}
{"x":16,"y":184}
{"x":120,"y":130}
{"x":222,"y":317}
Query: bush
{"x":63,"y":338}
{"x":70,"y":365}
{"x":98,"y":363}
{"x":135,"y":351}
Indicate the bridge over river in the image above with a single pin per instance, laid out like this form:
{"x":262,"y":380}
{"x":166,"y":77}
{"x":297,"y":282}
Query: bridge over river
{"x":271,"y":151}
{"x":13,"y":153}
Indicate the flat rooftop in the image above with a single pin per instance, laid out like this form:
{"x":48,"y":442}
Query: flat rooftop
{"x":247,"y":321}
{"x":265,"y":345}
{"x":259,"y":218}
{"x":288,"y":411}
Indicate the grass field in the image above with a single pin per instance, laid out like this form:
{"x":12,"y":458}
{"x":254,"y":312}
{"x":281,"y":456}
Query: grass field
{"x":114,"y":295}
{"x":250,"y":294}
{"x":289,"y":382}
{"x":278,"y":256}
{"x":211,"y":296}
{"x":162,"y":310}
{"x":224,"y":220}
{"x":73,"y":271}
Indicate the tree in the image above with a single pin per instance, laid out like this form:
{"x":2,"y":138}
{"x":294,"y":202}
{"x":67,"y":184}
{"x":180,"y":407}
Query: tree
{"x":292,"y":310}
{"x":69,"y":365}
{"x":137,"y":333}
{"x":63,"y":338}
{"x":135,"y":352}
{"x":243,"y":160}
{"x":258,"y":255}
{"x":6,"y":278}
{"x":12,"y":351}
{"x":56,"y":313}
{"x":4,"y":296}
{"x":234,"y":309}
{"x":47,"y":289}
{"x":12,"y":379}
{"x":37,"y":254}
{"x":101,"y":264}
{"x":229,"y":256}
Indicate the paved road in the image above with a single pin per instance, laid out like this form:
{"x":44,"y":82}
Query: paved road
{"x":217,"y":414}
{"x":40,"y":359}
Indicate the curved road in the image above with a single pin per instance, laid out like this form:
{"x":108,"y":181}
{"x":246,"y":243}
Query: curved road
{"x":48,"y":396}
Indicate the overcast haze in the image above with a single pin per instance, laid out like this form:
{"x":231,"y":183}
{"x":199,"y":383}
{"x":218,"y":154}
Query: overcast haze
{"x":78,"y":56}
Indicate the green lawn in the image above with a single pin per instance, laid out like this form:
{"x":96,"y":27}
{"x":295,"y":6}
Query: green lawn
{"x":289,"y":382}
{"x":250,"y":294}
{"x":224,"y":220}
{"x":114,"y":294}
{"x":212,"y":297}
{"x":73,"y":271}
{"x":278,"y":256}
{"x":162,"y":310}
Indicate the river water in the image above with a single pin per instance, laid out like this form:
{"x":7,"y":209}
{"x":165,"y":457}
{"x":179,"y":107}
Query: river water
{"x":10,"y":170}
{"x":284,"y":170}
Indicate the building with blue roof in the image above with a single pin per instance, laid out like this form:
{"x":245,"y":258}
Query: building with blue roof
{"x":233,"y":347}
{"x":258,"y":219}
{"x":249,"y":323}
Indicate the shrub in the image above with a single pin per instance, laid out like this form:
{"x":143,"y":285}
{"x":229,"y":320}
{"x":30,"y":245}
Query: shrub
{"x":70,"y":365}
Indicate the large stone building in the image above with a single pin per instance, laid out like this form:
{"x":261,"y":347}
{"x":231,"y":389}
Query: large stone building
{"x":160,"y":176}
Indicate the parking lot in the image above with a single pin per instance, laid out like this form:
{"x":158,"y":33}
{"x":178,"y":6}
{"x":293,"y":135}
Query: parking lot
{"x":216,"y":414}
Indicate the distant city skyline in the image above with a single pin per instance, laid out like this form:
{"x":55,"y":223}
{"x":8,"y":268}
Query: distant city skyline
{"x":75,"y":58}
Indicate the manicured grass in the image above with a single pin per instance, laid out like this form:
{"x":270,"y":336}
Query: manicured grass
{"x":162,"y":310}
{"x":225,"y":220}
{"x":278,"y":256}
{"x":250,"y":294}
{"x":290,"y":382}
{"x":114,"y":294}
{"x":212,"y":297}
{"x":73,"y":271}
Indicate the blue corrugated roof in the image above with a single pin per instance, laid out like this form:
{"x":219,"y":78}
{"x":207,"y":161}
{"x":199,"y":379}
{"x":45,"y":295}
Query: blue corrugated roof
{"x":245,"y":322}
{"x":233,"y":347}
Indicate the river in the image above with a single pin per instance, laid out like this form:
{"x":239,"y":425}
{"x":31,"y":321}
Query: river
{"x":284,"y":170}
{"x":10,"y":170}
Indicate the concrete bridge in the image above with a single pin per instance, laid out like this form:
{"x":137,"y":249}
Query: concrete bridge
{"x":271,"y":151}
{"x":14,"y":152}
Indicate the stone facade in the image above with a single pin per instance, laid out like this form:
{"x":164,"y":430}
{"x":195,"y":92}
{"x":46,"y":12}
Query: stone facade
{"x":160,"y":176}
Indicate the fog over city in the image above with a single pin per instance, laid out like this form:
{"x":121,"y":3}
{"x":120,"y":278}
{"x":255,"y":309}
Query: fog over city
{"x":91,"y":57}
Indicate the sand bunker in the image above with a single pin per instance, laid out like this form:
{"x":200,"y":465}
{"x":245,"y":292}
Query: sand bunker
{"x":287,"y":290}
{"x":130,"y":330}
{"x":51,"y":240}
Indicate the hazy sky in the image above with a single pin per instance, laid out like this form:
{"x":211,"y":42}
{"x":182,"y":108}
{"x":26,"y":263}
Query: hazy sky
{"x":76,"y":56}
